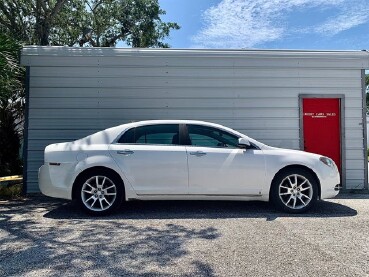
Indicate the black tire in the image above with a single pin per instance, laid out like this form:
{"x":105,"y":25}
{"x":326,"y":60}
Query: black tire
{"x":99,"y":192}
{"x":294,"y":190}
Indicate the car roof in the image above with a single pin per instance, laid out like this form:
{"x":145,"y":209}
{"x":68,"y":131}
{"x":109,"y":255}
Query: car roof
{"x":110,"y":135}
{"x":178,"y":121}
{"x":173,"y":121}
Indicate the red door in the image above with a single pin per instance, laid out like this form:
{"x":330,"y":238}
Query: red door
{"x":321,"y":121}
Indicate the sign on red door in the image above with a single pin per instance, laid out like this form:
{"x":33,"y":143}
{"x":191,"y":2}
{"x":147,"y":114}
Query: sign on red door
{"x":322,"y":132}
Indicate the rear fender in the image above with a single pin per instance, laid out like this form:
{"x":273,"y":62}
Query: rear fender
{"x":103,"y":161}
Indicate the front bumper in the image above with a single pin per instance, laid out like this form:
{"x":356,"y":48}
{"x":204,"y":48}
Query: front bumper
{"x":330,"y":185}
{"x":338,"y":187}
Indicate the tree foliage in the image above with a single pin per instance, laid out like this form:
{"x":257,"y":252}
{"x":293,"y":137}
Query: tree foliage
{"x":9,"y":69}
{"x":11,"y":106}
{"x":86,"y":22}
{"x":95,"y":23}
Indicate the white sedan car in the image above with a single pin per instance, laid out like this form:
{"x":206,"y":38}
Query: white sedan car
{"x":183,"y":159}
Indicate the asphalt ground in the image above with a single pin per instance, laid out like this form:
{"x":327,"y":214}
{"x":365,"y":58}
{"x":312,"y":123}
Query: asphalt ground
{"x":41,"y":236}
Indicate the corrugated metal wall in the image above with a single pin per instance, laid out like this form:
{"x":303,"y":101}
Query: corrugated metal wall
{"x":75,"y":92}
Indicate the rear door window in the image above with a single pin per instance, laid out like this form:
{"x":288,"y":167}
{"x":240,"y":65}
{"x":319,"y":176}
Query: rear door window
{"x":162,"y":134}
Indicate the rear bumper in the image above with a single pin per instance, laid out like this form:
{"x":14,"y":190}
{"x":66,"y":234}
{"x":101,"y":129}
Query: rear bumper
{"x":48,"y":188}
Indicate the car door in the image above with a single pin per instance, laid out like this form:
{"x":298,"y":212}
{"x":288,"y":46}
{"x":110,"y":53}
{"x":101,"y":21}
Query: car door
{"x":217,"y":166}
{"x":152,"y":159}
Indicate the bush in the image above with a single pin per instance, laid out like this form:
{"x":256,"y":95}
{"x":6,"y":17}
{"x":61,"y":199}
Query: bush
{"x":11,"y":189}
{"x":11,"y":192}
{"x":11,"y":106}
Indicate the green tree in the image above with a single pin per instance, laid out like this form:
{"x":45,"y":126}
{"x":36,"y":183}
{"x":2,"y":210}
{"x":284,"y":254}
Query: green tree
{"x":11,"y":106}
{"x":103,"y":23}
{"x":86,"y":22}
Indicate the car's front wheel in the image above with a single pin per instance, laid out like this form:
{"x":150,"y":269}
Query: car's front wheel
{"x":99,"y":192}
{"x":294,"y":190}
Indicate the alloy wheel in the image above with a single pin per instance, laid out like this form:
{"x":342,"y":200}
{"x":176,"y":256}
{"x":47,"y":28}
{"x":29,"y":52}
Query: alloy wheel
{"x":98,"y":193}
{"x":295,"y":191}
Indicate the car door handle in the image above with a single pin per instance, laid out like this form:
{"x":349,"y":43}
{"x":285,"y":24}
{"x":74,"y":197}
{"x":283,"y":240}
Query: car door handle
{"x":198,"y":153}
{"x":125,"y":152}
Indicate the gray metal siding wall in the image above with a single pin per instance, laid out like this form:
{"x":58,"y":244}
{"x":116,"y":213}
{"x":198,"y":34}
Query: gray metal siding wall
{"x":74,"y":96}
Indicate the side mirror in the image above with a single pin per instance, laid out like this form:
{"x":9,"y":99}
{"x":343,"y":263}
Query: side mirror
{"x":243,"y":143}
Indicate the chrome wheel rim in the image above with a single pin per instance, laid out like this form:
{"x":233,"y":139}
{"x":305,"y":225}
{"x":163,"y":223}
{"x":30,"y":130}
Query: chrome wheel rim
{"x":295,"y":191}
{"x":98,"y":193}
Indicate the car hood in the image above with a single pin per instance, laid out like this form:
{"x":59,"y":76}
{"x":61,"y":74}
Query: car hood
{"x":285,"y":151}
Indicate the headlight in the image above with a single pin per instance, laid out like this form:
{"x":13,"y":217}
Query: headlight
{"x":327,"y":161}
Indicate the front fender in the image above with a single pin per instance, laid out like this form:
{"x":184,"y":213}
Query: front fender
{"x":274,"y":162}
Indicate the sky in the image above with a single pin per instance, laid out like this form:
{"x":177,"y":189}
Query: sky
{"x":269,"y":24}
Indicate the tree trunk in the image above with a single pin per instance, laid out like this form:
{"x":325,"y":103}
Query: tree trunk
{"x":44,"y":35}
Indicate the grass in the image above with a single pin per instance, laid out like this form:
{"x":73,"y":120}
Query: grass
{"x":12,"y":191}
{"x":11,"y":187}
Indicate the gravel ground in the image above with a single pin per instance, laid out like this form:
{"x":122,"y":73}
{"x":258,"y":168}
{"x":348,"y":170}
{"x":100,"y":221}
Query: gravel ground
{"x":41,"y":236}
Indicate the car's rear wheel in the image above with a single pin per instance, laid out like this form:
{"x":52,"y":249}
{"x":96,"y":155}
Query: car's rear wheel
{"x":294,"y":190}
{"x":99,"y":192}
